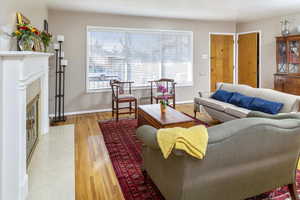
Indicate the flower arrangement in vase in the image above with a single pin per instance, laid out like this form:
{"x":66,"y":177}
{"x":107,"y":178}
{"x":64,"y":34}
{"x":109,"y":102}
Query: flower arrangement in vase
{"x":26,"y":35}
{"x":164,"y":101}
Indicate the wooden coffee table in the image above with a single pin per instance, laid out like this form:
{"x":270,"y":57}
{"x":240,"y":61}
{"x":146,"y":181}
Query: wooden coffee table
{"x":151,"y":115}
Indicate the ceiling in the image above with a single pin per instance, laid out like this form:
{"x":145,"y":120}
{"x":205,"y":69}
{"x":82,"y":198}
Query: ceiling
{"x":225,"y":10}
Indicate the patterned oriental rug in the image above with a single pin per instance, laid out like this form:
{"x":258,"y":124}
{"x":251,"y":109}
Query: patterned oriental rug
{"x":125,"y":153}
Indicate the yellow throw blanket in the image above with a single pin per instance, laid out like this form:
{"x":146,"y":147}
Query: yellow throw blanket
{"x":191,"y":140}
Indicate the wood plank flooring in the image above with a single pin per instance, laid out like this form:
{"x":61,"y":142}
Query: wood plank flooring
{"x":95,"y":178}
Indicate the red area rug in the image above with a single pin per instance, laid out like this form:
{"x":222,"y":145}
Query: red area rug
{"x":125,"y":153}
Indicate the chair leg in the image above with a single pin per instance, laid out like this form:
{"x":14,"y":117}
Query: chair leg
{"x":156,"y":101}
{"x":130,"y":109}
{"x":135,"y":109}
{"x":195,"y":113}
{"x":117,"y":110}
{"x":112,"y":108}
{"x":174,"y":103}
{"x":293,"y":191}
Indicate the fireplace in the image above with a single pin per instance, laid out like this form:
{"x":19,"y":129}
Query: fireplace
{"x":32,"y":127}
{"x":21,"y":119}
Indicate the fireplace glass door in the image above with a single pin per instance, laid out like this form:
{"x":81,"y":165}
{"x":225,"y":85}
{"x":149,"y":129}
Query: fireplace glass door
{"x":32,"y":127}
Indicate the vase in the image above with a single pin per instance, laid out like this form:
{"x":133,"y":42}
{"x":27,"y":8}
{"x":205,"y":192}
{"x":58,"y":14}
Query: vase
{"x":26,"y":44}
{"x":45,"y":47}
{"x":163,"y":108}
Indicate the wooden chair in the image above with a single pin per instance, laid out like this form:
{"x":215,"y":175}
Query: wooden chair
{"x":169,"y":84}
{"x":119,"y":96}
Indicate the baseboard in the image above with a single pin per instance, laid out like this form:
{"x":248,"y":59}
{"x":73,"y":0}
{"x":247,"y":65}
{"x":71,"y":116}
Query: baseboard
{"x":107,"y":110}
{"x":84,"y":112}
{"x":24,"y":188}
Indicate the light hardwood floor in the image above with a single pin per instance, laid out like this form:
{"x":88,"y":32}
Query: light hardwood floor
{"x":95,"y":178}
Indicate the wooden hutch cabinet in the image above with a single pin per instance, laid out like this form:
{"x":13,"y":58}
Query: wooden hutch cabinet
{"x":287,"y":77}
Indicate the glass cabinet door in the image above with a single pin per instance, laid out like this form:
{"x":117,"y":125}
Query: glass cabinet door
{"x":281,"y":56}
{"x":294,"y":56}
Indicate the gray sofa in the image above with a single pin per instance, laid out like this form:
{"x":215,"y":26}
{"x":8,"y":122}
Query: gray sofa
{"x":244,"y":158}
{"x":222,"y":111}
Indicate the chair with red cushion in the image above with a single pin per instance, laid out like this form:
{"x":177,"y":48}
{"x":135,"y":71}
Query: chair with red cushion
{"x":119,"y":96}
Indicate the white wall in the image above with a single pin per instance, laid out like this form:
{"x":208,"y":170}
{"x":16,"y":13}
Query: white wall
{"x":270,"y":28}
{"x":73,"y":26}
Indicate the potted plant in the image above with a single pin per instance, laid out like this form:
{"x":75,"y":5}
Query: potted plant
{"x":46,"y":39}
{"x":26,"y":36}
{"x":164,"y":101}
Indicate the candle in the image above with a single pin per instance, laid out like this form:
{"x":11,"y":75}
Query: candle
{"x":64,"y":62}
{"x":60,"y":38}
{"x":62,"y":54}
{"x":55,"y":46}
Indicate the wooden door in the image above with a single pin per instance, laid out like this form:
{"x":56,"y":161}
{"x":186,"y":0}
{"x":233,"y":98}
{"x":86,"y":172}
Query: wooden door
{"x":221,"y":60}
{"x":248,"y":59}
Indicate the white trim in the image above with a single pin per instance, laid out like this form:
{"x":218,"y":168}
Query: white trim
{"x":102,"y":28}
{"x":209,"y":55}
{"x":107,"y":28}
{"x":132,"y":89}
{"x":23,"y":53}
{"x":260,"y":53}
{"x":86,"y":60}
{"x":108,"y":109}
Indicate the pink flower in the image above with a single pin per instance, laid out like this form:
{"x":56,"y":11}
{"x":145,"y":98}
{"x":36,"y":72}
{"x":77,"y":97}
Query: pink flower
{"x":162,"y":89}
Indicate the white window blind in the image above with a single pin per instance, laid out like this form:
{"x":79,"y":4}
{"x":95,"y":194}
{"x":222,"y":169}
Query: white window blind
{"x":137,"y":55}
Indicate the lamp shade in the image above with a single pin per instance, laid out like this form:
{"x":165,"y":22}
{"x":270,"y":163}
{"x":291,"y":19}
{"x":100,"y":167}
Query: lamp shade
{"x":60,"y":38}
{"x":55,"y":46}
{"x":64,"y":62}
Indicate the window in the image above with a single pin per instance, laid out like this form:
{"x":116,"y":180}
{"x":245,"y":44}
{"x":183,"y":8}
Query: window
{"x":137,"y":55}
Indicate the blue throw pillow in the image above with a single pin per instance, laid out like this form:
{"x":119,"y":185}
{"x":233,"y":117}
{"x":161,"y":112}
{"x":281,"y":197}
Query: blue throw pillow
{"x":265,"y":106}
{"x":240,"y":100}
{"x":222,"y":95}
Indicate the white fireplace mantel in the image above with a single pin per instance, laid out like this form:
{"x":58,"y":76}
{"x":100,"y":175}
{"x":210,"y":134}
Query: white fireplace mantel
{"x":17,"y":70}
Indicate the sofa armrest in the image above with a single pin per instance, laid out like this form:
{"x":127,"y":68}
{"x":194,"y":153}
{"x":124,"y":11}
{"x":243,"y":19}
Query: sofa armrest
{"x":205,"y":94}
{"x":147,"y":134}
{"x":278,"y":116}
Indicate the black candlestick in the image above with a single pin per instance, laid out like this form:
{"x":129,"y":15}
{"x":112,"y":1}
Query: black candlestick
{"x":59,"y":110}
{"x":56,"y":69}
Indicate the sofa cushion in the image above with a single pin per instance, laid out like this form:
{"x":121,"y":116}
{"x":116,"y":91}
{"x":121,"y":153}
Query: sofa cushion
{"x":222,"y":95}
{"x":243,"y":89}
{"x":265,"y":106}
{"x":237,"y":111}
{"x":290,"y":102}
{"x":212,"y":103}
{"x":240,"y":100}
